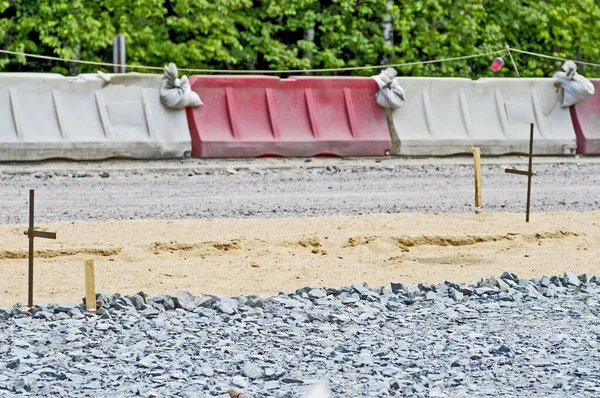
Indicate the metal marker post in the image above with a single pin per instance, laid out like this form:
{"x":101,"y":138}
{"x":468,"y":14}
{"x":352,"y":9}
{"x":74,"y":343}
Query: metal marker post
{"x":119,"y":54}
{"x":528,"y":173}
{"x":32,"y":234}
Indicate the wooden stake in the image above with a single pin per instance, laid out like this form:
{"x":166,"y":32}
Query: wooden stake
{"x":31,"y":238}
{"x":90,"y":286}
{"x":529,"y":171}
{"x":32,"y":234}
{"x":477,"y":159}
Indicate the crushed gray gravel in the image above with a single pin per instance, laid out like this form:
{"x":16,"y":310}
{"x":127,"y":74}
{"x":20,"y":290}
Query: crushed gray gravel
{"x":167,"y":190}
{"x":502,"y":336}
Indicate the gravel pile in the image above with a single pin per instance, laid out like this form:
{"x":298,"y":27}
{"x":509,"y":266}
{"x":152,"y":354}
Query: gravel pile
{"x":502,"y":336}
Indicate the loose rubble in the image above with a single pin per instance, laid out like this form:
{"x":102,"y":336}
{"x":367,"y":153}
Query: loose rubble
{"x":502,"y":336}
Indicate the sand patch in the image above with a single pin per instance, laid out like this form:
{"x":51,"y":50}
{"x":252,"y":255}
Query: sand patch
{"x":249,"y":256}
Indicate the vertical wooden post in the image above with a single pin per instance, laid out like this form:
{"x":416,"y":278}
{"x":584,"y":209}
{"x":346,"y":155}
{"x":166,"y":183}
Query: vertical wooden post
{"x":529,"y":171}
{"x":31,"y":237}
{"x":477,"y":160}
{"x":90,"y":286}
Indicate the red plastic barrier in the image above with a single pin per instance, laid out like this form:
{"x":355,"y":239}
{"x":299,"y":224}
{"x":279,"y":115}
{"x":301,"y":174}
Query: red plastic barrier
{"x":251,"y":116}
{"x":586,"y":121}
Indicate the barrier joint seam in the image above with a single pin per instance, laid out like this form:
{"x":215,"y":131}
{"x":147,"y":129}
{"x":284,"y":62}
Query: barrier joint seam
{"x":59,"y":114}
{"x":14,"y":103}
{"x":311,"y":112}
{"x":272,"y":114}
{"x":231,"y":112}
{"x":148,"y":116}
{"x":350,"y":110}
{"x":104,"y":120}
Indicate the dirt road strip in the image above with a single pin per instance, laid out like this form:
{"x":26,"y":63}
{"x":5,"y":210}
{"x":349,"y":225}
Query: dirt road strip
{"x":301,"y":190}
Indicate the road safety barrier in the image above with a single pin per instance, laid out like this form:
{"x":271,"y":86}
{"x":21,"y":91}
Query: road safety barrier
{"x":586,"y":119}
{"x":252,"y":116}
{"x":443,"y":116}
{"x":85,"y":117}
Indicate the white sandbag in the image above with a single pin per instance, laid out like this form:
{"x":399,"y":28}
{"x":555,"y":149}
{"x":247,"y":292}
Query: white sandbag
{"x":390,"y":94}
{"x":176,"y":93}
{"x":573,"y":87}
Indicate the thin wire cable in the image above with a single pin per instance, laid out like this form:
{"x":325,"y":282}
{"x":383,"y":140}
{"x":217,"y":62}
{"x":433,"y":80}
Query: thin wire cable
{"x":258,"y":71}
{"x":552,"y":57}
{"x":76,"y":60}
{"x":513,"y":61}
{"x":507,"y":49}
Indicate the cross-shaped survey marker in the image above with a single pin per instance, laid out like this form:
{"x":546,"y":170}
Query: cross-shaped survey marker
{"x":32,"y":234}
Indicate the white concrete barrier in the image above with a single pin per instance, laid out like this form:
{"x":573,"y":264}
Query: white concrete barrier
{"x":86,"y":118}
{"x":445,"y":116}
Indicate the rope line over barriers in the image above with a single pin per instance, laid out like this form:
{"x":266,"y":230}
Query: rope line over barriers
{"x":507,"y":49}
{"x":232,"y":71}
{"x":513,"y":61}
{"x":552,"y":57}
{"x":76,"y":61}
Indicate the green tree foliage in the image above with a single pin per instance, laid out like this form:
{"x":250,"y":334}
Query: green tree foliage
{"x":301,"y":34}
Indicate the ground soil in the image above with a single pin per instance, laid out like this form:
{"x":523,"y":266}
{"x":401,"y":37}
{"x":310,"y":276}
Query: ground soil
{"x":271,"y":188}
{"x":258,"y":255}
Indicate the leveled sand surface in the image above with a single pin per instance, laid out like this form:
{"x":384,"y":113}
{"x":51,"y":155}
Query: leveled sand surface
{"x":252,"y":256}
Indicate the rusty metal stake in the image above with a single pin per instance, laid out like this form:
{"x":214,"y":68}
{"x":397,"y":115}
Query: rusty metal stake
{"x":528,"y":173}
{"x":32,"y":234}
